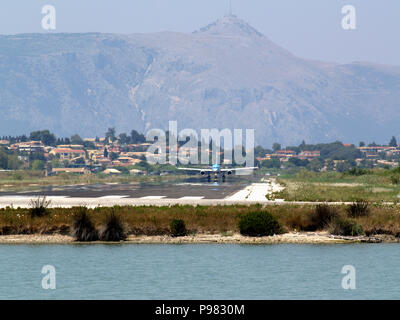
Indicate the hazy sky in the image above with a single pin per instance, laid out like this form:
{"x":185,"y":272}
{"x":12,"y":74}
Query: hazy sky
{"x":308,"y":28}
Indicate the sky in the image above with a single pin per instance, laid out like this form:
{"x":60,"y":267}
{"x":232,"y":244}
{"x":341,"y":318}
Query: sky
{"x":308,"y":28}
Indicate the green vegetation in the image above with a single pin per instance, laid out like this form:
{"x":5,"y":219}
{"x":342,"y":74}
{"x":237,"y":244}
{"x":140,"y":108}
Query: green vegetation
{"x":39,"y":207}
{"x":83,"y":223}
{"x":178,"y":228}
{"x":9,"y":160}
{"x":114,"y":228}
{"x":360,"y":208}
{"x":83,"y":228}
{"x":375,"y":185}
{"x":345,"y":227}
{"x":323,"y":215}
{"x":258,"y":224}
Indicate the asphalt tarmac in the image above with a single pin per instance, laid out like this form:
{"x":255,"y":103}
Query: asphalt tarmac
{"x":163,"y":191}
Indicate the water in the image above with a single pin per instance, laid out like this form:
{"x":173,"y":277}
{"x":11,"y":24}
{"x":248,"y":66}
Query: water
{"x":200,"y":271}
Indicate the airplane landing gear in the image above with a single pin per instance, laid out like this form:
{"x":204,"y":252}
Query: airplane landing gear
{"x":223,"y":178}
{"x":209,"y":178}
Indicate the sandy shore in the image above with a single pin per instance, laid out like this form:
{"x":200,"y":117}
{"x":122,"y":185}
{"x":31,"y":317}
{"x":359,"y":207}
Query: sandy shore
{"x":287,"y":238}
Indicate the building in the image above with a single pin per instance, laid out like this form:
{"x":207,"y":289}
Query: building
{"x":68,"y":153}
{"x":112,"y":171}
{"x":4,"y":142}
{"x":69,"y":170}
{"x":28,"y":147}
{"x":377,"y":151}
{"x":284,"y":155}
{"x":125,"y":161}
{"x":309,"y":155}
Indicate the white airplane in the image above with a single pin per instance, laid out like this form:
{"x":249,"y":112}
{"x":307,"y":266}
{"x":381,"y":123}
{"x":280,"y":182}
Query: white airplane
{"x":216,"y":171}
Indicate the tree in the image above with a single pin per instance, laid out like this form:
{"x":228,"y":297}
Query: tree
{"x":44,"y":136}
{"x":123,"y":138}
{"x":38,"y":165}
{"x":9,"y":161}
{"x":113,"y":156}
{"x":110,"y":135}
{"x":80,"y":161}
{"x":3,"y":159}
{"x":136,"y":137}
{"x":393,"y":142}
{"x":273,"y":163}
{"x":76,"y":139}
{"x":330,"y":165}
{"x":315,"y":165}
{"x":343,"y":166}
{"x":276,"y":146}
{"x":145,"y":165}
{"x":362,"y":144}
{"x":105,"y":153}
{"x":302,"y":146}
{"x":298,"y":162}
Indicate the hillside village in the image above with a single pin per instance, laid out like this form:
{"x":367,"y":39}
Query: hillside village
{"x":127,"y":154}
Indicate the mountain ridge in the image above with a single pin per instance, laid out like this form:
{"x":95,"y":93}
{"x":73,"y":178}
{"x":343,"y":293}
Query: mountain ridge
{"x":227,"y":76}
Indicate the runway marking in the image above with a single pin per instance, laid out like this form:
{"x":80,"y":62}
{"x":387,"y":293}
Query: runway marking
{"x":241,"y":195}
{"x":113,"y":197}
{"x":153,"y":197}
{"x":16,"y":197}
{"x":191,"y":198}
{"x":32,"y":197}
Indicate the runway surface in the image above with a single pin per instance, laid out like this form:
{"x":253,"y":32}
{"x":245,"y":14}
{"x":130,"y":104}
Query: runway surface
{"x":125,"y":194}
{"x":188,"y":193}
{"x":134,"y":191}
{"x":167,"y":194}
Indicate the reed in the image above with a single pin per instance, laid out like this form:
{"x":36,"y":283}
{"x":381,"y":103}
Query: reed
{"x":150,"y":221}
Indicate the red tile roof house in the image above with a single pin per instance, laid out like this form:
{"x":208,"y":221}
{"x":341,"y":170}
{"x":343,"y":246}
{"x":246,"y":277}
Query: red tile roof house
{"x":309,"y":155}
{"x":284,"y":154}
{"x":68,"y":153}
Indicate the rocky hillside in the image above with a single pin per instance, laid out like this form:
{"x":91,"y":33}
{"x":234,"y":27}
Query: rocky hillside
{"x":225,"y":75}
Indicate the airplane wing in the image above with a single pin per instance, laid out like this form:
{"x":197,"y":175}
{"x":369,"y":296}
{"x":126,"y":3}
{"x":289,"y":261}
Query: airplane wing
{"x":195,"y":169}
{"x":240,"y":169}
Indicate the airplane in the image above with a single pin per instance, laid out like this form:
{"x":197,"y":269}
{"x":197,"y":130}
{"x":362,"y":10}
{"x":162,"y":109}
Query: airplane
{"x":216,"y":170}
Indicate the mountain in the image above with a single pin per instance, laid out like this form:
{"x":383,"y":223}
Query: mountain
{"x":225,"y":75}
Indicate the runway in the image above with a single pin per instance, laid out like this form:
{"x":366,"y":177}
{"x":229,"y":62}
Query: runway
{"x":142,"y":195}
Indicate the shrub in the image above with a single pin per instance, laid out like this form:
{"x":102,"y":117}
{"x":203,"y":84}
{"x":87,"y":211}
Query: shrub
{"x":83,"y":227}
{"x":358,"y":172}
{"x":323,"y":215}
{"x":178,"y":228}
{"x":395,"y":178}
{"x":258,"y":224}
{"x":345,"y":227}
{"x":38,"y":207}
{"x":360,"y":208}
{"x":114,"y":228}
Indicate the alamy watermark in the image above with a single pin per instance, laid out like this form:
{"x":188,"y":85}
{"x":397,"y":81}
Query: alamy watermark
{"x":349,"y":280}
{"x":188,"y":147}
{"x":349,"y":21}
{"x":49,"y":18}
{"x":49,"y":280}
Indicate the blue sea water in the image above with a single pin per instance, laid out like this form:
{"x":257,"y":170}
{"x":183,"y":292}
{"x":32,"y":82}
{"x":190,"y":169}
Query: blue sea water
{"x":203,"y":271}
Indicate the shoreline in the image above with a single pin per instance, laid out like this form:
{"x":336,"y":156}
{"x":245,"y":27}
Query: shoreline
{"x":286,"y":238}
